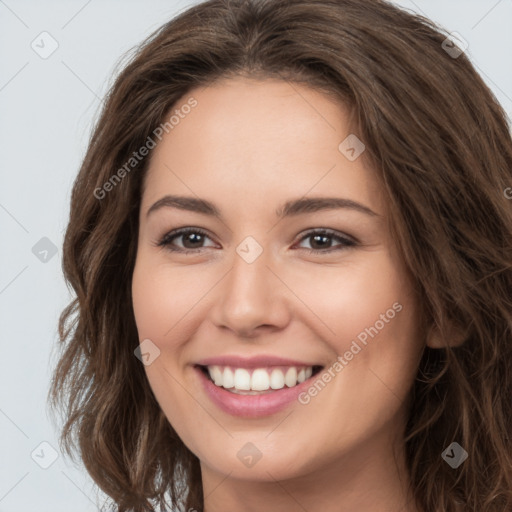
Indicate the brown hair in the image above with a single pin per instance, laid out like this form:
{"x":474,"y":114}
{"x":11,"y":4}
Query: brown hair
{"x":440,"y":144}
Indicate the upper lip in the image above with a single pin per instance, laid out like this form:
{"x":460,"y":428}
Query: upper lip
{"x":252,"y":362}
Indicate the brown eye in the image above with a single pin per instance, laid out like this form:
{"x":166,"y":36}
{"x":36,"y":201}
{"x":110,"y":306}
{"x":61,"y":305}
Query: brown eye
{"x":321,"y":241}
{"x":192,"y":238}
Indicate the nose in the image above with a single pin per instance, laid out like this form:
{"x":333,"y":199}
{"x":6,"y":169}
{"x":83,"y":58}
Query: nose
{"x":252,"y":299}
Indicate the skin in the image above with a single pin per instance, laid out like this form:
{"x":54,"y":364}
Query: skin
{"x":249,"y":146}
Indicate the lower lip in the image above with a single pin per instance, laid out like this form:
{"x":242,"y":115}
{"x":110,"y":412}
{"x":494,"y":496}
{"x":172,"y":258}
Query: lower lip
{"x":251,"y":406}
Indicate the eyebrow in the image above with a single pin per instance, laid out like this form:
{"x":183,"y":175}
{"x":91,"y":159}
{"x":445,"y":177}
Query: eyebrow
{"x":288,"y":209}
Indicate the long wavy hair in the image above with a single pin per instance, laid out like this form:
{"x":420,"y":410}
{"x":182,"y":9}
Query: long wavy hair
{"x":440,"y":144}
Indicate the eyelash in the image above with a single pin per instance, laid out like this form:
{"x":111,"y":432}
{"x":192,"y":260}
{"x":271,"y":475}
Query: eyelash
{"x":167,"y":238}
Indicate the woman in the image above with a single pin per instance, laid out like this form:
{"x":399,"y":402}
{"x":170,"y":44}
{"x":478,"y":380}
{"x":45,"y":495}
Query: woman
{"x":369,"y":370}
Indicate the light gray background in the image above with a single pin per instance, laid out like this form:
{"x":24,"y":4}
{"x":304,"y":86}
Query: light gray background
{"x":47,"y":110}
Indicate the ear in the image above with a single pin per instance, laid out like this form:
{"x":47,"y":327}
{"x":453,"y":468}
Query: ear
{"x":455,"y":336}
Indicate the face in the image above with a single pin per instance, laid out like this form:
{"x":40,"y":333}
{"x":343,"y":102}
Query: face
{"x":303,"y":315}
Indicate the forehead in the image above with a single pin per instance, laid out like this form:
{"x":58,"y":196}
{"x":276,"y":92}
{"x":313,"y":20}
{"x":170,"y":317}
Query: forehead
{"x":257,"y":143}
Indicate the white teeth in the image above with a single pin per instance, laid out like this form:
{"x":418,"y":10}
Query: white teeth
{"x":290,"y":379}
{"x":228,"y":379}
{"x":261,"y":379}
{"x":216,"y":375}
{"x":276,"y":379}
{"x":242,"y":379}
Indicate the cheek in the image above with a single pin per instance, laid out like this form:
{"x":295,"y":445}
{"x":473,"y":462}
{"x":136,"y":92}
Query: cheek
{"x":163,"y":296}
{"x":371,"y":319}
{"x":158,"y":305}
{"x":378,"y":333}
{"x":348,"y":298}
{"x":149,"y":302}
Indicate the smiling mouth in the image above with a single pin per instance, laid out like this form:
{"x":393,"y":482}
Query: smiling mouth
{"x":257,"y":381}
